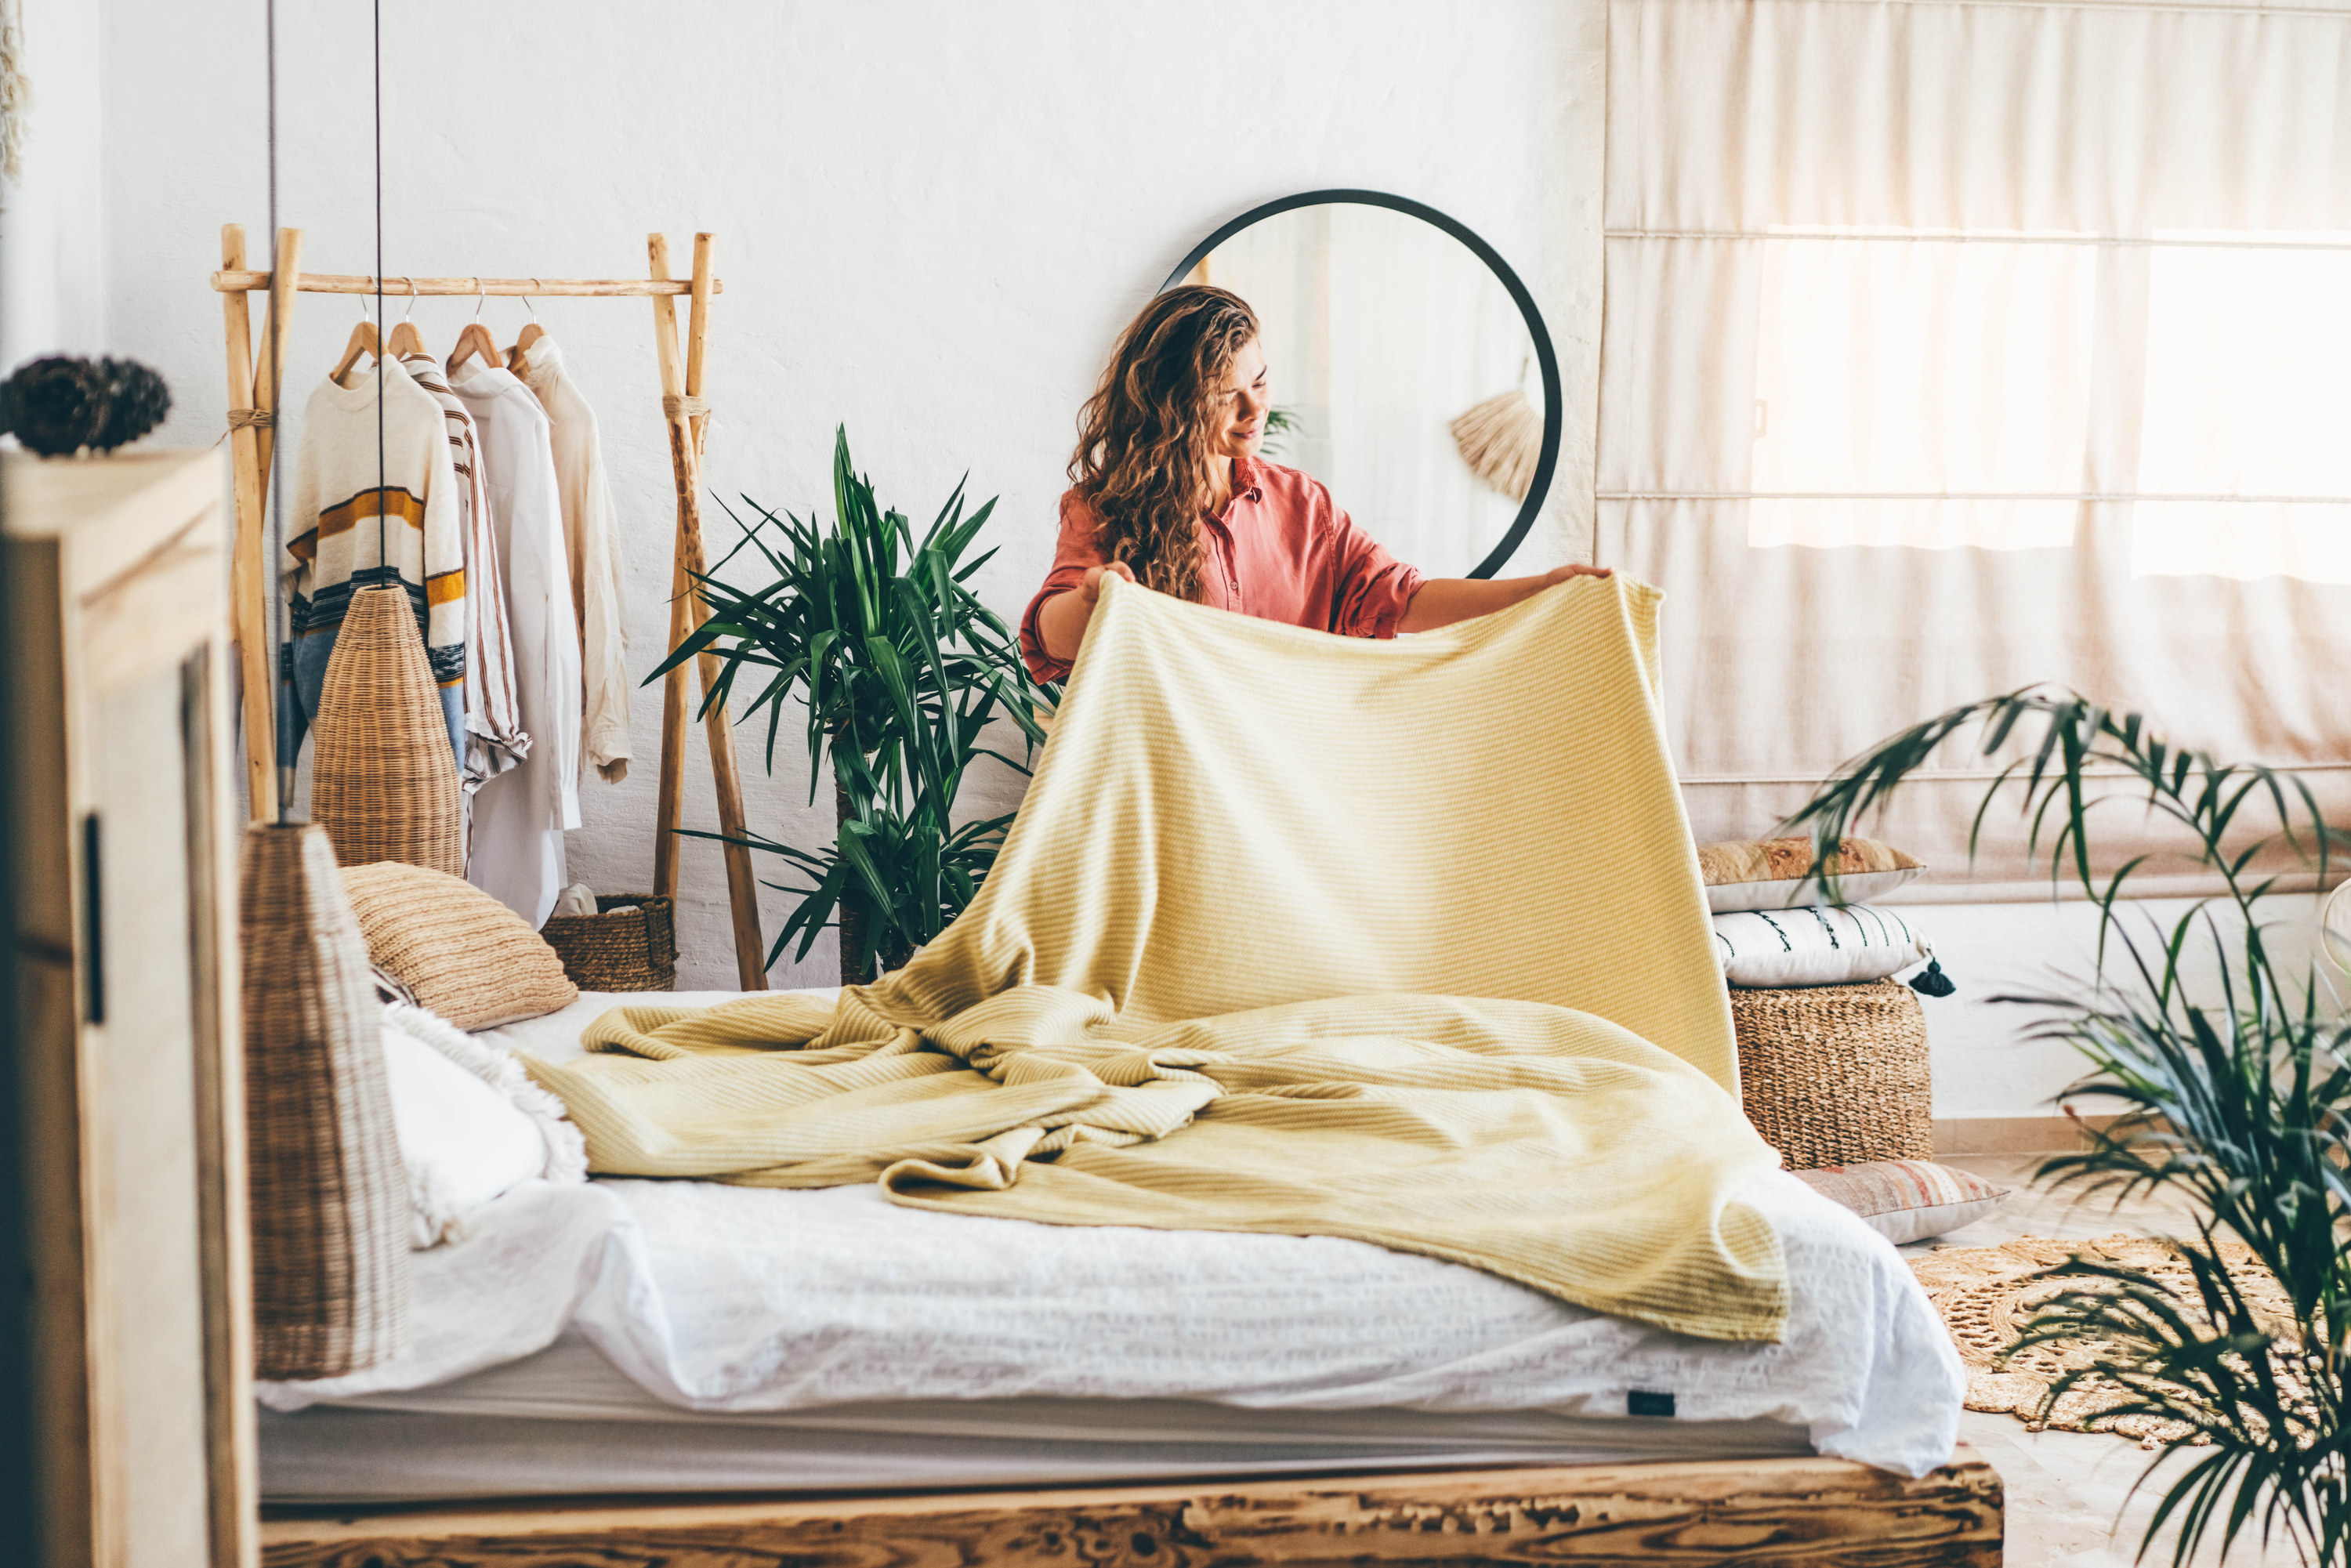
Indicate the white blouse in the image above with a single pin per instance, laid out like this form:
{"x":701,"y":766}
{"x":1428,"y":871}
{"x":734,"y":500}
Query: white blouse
{"x":587,"y":528}
{"x":520,"y":816}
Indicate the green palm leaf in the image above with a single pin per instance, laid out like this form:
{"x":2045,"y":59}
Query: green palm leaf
{"x":2234,"y":1092}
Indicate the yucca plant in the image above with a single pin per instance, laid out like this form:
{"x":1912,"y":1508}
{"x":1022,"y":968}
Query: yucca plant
{"x":2237,"y":1096}
{"x":900,"y":670}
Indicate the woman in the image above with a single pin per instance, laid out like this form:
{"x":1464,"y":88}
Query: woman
{"x":1168,"y":491}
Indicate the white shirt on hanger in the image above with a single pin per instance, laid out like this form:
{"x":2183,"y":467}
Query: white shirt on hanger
{"x":520,"y":816}
{"x":588,"y":532}
{"x":495,"y":737}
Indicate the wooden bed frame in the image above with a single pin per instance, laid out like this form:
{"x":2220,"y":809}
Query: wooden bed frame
{"x":140,"y":1363}
{"x":1754,"y":1514}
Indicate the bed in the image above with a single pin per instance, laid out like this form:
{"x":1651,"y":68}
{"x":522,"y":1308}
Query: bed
{"x":764,"y":1373}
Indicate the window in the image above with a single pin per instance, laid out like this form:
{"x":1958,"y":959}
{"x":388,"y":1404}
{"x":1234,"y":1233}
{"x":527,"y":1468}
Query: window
{"x":1930,"y":392}
{"x":2244,"y":429}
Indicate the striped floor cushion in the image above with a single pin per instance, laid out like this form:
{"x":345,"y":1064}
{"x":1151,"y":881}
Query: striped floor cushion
{"x":1904,"y":1200}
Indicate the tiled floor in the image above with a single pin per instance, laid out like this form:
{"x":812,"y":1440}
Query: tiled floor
{"x":2066,"y":1490}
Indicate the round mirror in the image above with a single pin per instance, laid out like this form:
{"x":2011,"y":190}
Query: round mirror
{"x":1411,"y":372}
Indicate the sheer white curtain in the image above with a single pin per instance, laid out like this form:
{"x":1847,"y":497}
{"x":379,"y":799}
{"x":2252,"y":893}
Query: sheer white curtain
{"x":1952,"y":345}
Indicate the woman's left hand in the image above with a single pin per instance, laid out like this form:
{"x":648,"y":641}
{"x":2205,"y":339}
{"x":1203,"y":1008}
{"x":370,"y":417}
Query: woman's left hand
{"x":1442,"y":600}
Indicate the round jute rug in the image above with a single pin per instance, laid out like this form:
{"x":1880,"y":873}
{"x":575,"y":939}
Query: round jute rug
{"x":1984,"y":1297}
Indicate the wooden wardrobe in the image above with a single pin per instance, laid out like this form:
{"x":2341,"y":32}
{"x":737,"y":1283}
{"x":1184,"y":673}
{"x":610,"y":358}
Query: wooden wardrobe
{"x":127,"y":1348}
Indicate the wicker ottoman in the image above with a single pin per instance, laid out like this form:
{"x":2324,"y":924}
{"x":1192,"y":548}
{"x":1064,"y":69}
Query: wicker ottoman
{"x":1835,"y":1075}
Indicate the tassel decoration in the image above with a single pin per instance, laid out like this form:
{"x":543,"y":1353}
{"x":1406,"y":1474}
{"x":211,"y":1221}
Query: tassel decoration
{"x":1931,"y":981}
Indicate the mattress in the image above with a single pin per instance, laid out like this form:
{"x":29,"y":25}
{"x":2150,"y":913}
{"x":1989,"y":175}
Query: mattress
{"x":689,"y":1337}
{"x":564,"y":1421}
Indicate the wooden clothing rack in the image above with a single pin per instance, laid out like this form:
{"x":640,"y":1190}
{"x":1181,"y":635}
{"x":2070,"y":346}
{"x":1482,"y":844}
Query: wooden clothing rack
{"x":256,"y":378}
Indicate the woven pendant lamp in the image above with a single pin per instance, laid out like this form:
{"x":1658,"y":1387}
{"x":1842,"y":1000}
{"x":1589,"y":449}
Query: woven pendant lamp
{"x":383,"y":781}
{"x":328,"y":1192}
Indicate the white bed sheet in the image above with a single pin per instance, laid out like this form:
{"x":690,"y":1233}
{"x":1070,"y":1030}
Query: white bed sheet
{"x":736,"y":1301}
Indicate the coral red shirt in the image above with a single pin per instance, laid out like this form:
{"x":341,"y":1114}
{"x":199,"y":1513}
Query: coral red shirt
{"x":1280,"y":550}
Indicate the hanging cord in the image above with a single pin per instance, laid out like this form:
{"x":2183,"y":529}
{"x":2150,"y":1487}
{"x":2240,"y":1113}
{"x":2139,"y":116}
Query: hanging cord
{"x":278,"y":632}
{"x":382,"y":559}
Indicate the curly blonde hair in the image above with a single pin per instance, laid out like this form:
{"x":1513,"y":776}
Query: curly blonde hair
{"x":1147,"y":459}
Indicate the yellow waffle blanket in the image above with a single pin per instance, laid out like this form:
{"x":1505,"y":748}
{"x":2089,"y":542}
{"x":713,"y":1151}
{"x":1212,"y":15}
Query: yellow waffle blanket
{"x":1403,"y":942}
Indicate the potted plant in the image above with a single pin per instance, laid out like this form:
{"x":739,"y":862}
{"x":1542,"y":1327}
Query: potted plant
{"x":900,"y":670}
{"x":2236,"y":1093}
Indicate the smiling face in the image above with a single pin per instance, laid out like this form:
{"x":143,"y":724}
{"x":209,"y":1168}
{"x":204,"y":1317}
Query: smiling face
{"x":1240,"y":411}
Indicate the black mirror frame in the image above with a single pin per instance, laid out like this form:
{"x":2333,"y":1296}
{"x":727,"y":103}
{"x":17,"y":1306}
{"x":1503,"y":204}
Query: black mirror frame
{"x":1539,"y":489}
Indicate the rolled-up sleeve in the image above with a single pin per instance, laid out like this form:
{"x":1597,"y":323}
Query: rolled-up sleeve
{"x":1373,"y":588}
{"x":1074,"y":553}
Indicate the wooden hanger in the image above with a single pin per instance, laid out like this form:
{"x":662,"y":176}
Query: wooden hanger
{"x":531,"y":333}
{"x":523,"y":340}
{"x":362,"y":341}
{"x":405,"y":339}
{"x":476,"y":340}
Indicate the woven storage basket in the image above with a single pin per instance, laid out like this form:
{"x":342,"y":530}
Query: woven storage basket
{"x":1836,"y":1075}
{"x":630,"y":944}
{"x":329,"y":1194}
{"x":384,"y":781}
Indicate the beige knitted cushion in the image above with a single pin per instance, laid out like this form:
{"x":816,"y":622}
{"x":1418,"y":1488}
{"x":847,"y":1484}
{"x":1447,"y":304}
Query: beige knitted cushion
{"x":1770,"y":874}
{"x":466,"y":956}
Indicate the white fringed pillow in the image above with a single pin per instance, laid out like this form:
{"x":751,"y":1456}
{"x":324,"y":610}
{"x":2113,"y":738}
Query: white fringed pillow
{"x":470,"y":1123}
{"x":1820,"y":945}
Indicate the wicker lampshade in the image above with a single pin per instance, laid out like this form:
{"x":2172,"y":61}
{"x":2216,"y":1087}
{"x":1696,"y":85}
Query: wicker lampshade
{"x":383,"y":781}
{"x":329,"y":1194}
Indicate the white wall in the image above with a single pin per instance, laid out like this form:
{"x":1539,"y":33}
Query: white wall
{"x":932,"y":218}
{"x":52,"y":232}
{"x":1985,"y":1063}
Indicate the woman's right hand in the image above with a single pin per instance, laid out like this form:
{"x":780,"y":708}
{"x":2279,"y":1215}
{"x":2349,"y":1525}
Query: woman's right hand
{"x":1092,"y":585}
{"x":1061,"y":620}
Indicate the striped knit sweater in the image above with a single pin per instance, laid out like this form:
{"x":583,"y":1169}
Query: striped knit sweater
{"x":342,"y":489}
{"x":495,"y":740}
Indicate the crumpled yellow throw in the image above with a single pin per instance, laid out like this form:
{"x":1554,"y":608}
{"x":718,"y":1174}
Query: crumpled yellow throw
{"x":1295,"y":934}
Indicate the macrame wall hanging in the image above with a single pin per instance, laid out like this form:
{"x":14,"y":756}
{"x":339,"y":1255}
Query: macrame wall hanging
{"x":1501,"y":440}
{"x":15,"y":93}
